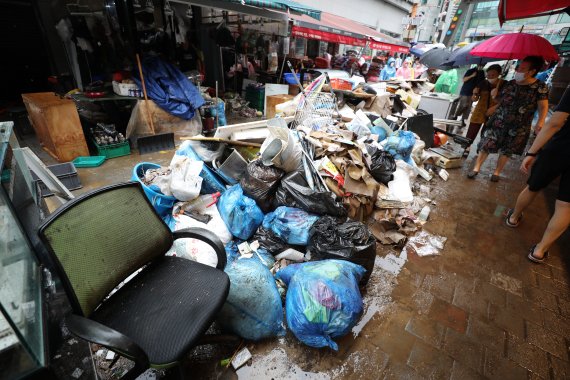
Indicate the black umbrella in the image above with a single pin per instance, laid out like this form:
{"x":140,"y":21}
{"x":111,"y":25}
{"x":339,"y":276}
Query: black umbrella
{"x":435,"y":57}
{"x":461,"y":57}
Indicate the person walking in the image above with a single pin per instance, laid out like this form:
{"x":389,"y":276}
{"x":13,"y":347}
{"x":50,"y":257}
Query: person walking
{"x":406,"y":71}
{"x":389,"y":71}
{"x":547,"y":159}
{"x":486,"y":105}
{"x":471,"y":79}
{"x":508,"y":129}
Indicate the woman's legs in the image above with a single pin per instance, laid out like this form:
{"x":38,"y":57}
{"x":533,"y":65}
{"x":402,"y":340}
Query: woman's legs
{"x":481,"y":157}
{"x":501,"y":162}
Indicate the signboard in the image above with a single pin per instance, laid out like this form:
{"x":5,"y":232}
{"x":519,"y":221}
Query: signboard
{"x":313,"y":34}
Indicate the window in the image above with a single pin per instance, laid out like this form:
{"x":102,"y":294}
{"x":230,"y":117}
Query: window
{"x":563,"y":18}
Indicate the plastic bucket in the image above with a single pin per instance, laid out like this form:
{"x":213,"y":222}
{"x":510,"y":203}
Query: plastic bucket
{"x":163,"y":204}
{"x":289,"y":78}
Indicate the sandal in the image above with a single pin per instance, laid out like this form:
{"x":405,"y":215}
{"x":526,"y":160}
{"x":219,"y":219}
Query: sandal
{"x":535,"y":259}
{"x":472,"y":174}
{"x":508,"y":219}
{"x":495,"y":178}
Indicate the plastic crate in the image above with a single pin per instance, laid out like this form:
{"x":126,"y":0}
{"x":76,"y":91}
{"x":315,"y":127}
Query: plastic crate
{"x":113,"y":150}
{"x":255,"y":97}
{"x":65,"y":172}
{"x":89,"y":161}
{"x":341,"y":84}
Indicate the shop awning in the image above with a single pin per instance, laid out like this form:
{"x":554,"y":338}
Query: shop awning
{"x":282,"y":5}
{"x":336,"y":29}
{"x":517,"y":9}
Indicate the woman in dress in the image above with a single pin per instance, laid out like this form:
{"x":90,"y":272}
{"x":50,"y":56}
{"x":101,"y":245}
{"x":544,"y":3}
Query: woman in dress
{"x":486,"y":105}
{"x":508,"y":129}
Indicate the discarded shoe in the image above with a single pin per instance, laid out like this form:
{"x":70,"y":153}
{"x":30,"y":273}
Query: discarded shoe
{"x":535,"y":259}
{"x":508,"y":219}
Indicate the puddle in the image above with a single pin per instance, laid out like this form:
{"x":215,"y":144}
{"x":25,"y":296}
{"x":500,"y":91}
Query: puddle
{"x":377,"y":297}
{"x":392,"y":263}
{"x":276,"y":365}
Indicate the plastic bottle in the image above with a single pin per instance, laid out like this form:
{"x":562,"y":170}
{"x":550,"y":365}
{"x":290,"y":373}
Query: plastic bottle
{"x":202,"y":202}
{"x":424,"y":214}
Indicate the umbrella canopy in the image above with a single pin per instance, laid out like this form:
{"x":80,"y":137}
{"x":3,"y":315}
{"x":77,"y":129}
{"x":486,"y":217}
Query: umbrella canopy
{"x":515,"y":46}
{"x":435,"y":57}
{"x":517,"y":9}
{"x":420,"y":49}
{"x":461,"y":57}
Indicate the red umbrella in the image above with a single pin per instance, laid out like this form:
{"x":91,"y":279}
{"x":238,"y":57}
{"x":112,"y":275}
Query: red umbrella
{"x":517,"y":9}
{"x":516,"y":46}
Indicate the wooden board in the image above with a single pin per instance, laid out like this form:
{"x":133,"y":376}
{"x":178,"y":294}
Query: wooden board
{"x":272,"y":101}
{"x":57,"y":125}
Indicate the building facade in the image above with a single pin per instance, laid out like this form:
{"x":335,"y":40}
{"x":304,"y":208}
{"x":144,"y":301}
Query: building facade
{"x":383,"y":15}
{"x":484,"y":23}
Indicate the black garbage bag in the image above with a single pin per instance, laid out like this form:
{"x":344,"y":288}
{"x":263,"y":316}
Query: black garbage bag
{"x":260,"y":183}
{"x":350,"y":241}
{"x":273,"y":243}
{"x":295,"y":192}
{"x":383,"y":164}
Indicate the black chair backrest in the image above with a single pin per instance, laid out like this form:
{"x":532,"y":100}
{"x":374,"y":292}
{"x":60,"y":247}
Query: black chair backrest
{"x":102,"y":237}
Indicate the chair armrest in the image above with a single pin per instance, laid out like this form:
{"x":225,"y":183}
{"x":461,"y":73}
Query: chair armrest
{"x":208,"y":237}
{"x":95,"y":332}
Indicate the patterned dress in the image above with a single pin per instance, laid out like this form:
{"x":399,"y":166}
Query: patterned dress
{"x":508,"y":129}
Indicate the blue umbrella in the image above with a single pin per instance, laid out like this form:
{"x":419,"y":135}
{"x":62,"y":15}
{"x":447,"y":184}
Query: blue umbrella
{"x":461,"y":57}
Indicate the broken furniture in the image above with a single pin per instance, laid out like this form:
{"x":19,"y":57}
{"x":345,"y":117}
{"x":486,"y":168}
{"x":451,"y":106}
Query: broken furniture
{"x":111,"y":237}
{"x":57,"y":125}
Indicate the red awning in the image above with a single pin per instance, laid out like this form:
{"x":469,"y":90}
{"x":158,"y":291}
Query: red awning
{"x":314,"y":34}
{"x":389,"y":47}
{"x":517,"y":9}
{"x":336,"y":29}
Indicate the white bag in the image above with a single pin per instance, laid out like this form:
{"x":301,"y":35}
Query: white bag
{"x":281,"y":148}
{"x":194,"y":249}
{"x":185,"y":180}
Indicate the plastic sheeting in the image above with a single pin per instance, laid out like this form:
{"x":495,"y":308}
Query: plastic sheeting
{"x":169,"y":88}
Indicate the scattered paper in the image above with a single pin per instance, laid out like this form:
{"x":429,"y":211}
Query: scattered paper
{"x":425,"y":244}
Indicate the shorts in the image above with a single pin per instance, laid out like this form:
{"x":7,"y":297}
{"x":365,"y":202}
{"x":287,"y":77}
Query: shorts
{"x":548,"y":166}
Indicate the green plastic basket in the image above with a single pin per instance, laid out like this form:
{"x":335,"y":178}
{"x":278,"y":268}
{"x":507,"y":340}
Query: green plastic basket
{"x":89,"y":161}
{"x":113,"y":150}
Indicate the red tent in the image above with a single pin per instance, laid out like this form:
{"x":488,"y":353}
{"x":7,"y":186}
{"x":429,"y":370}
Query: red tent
{"x":516,"y":9}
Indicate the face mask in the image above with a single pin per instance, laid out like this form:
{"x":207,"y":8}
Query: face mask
{"x":519,"y":77}
{"x":392,"y":64}
{"x":493,"y":81}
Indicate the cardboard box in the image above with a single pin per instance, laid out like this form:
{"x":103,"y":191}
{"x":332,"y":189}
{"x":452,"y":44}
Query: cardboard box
{"x":274,"y":100}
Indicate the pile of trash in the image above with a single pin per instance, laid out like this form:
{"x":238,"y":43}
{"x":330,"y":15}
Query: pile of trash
{"x":300,"y":218}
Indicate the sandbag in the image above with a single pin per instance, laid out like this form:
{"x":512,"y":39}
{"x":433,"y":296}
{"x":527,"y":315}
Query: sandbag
{"x":260,"y":183}
{"x":323,"y":301}
{"x":290,"y":224}
{"x":350,"y":241}
{"x":253,"y":309}
{"x":382,"y":165}
{"x":295,"y":192}
{"x":240,"y":213}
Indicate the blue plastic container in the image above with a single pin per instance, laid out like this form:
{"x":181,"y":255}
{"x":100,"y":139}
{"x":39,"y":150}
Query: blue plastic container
{"x":163,"y":204}
{"x":289,"y":78}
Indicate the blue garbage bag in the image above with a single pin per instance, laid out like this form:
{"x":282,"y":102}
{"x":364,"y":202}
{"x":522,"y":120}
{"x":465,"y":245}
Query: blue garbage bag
{"x":381,"y":132}
{"x":169,"y":88}
{"x":253,"y":309}
{"x":290,"y":224}
{"x":323,"y":301}
{"x":400,"y":145}
{"x":240,"y":213}
{"x":210,"y":182}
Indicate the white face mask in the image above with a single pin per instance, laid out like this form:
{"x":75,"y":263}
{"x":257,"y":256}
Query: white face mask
{"x":519,"y":77}
{"x":493,"y":81}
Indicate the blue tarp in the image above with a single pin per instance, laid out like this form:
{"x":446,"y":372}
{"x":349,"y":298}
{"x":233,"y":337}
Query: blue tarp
{"x":169,"y":88}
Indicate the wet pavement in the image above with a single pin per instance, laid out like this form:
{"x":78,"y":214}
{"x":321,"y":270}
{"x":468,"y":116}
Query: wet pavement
{"x":478,"y":310}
